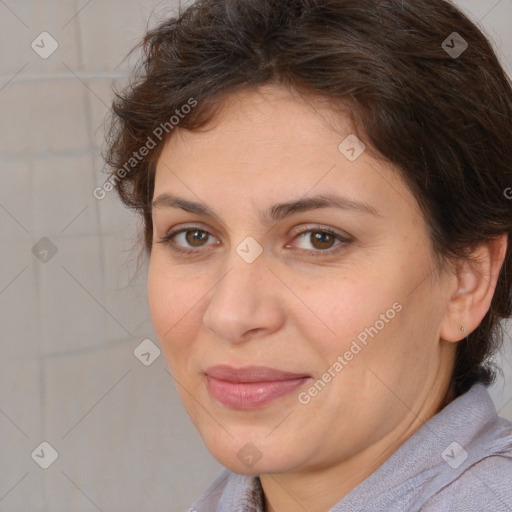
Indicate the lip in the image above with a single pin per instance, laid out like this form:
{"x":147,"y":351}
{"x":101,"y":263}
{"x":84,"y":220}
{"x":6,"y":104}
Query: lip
{"x":251,"y":386}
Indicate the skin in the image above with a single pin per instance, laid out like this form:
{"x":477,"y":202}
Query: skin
{"x":293,"y":311}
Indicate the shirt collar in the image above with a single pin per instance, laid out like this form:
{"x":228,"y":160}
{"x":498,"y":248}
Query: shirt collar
{"x":462,"y":422}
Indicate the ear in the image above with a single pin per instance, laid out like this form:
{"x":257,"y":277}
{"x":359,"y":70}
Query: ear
{"x":475,"y":283}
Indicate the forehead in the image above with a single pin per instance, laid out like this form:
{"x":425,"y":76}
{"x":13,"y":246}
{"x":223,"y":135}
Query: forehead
{"x":276,"y":144}
{"x":285,"y":112}
{"x":270,"y":128}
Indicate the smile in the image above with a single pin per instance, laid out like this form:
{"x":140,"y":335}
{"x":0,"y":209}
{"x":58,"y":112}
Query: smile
{"x":251,"y":387}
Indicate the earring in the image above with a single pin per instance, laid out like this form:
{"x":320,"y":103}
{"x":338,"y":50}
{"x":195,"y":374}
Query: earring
{"x":462,"y":329}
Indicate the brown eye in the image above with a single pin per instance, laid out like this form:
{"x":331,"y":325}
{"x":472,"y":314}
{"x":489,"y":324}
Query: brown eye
{"x":186,"y":240}
{"x":190,"y":240}
{"x":194,"y":237}
{"x":322,"y":239}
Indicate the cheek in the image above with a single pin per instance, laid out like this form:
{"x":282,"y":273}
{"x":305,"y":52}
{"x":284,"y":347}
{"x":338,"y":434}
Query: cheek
{"x":368,"y":327}
{"x":338,"y":311}
{"x":160,"y":299}
{"x":173,"y":305}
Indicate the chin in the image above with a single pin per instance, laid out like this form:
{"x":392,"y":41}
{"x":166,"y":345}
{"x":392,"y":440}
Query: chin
{"x":269,"y":467}
{"x":252,"y":458}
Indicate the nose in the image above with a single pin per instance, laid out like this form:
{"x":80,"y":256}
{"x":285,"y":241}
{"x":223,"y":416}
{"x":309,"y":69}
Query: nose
{"x":246,"y":302}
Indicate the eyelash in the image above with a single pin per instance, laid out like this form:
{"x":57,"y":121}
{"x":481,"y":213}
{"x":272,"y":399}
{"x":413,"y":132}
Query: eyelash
{"x":167,"y":240}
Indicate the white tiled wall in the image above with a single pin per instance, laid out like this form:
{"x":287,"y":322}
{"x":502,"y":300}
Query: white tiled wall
{"x":69,"y":326}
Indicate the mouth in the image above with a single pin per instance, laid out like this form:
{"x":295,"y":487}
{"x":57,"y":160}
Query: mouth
{"x":251,"y":387}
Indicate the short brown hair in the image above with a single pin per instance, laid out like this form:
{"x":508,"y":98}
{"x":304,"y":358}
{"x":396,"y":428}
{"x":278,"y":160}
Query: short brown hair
{"x":443,"y":119}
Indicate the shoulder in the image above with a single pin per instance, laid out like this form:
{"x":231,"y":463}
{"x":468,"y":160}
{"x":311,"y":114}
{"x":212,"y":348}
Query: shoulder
{"x":480,"y":477}
{"x":486,"y":485}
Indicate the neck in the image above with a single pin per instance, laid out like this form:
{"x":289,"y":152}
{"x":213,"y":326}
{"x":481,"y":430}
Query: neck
{"x":322,"y":488}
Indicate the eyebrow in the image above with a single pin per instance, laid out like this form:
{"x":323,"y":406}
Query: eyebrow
{"x":276,"y":212}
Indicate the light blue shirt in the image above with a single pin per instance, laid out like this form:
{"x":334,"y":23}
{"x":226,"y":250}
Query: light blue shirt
{"x":459,"y":461}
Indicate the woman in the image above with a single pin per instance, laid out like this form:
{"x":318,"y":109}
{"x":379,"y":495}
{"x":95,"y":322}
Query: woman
{"x":323,"y":185}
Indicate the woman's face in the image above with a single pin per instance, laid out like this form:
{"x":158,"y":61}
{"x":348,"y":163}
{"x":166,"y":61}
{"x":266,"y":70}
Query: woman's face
{"x":331,"y":341}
